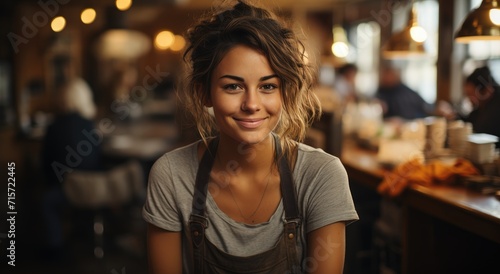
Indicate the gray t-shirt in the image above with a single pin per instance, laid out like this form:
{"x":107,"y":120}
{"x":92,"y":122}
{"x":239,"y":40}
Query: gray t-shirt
{"x":321,"y":185}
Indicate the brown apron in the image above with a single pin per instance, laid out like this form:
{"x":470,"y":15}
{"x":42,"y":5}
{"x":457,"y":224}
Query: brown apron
{"x":282,"y":258}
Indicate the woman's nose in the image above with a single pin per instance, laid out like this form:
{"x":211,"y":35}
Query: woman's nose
{"x":251,"y":101}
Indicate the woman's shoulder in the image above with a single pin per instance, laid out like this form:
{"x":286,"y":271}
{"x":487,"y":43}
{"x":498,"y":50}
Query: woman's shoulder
{"x":309,"y":151}
{"x":311,"y":156}
{"x":179,"y":156}
{"x":173,"y":168}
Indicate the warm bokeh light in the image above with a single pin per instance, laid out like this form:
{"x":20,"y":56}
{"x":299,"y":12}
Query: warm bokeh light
{"x":88,"y":16}
{"x":418,"y":34}
{"x":340,"y":46}
{"x":495,"y":16}
{"x":123,"y":4}
{"x":179,"y":43}
{"x":340,"y":49}
{"x":122,"y":43}
{"x":164,"y":40}
{"x":58,"y":24}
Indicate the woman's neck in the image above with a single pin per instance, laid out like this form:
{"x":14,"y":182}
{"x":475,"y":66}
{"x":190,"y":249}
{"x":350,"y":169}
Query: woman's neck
{"x":246,"y":157}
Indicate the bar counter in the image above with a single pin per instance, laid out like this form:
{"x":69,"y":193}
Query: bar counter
{"x":446,"y":229}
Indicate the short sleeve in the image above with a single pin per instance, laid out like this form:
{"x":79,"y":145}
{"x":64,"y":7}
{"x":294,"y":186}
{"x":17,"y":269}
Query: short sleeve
{"x":326,"y":196}
{"x":160,"y":208}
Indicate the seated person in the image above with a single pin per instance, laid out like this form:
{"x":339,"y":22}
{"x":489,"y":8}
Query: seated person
{"x":67,"y":146}
{"x":398,"y":100}
{"x":345,"y":84}
{"x":484,"y":93}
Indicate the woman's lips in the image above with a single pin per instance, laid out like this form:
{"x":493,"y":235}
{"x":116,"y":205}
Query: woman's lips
{"x":249,"y":123}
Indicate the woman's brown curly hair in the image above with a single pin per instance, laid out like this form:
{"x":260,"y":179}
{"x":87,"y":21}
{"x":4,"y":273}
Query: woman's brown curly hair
{"x":245,"y":24}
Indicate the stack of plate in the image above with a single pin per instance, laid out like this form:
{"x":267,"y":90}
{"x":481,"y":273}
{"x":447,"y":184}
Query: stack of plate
{"x":458,"y":131}
{"x":481,"y":148}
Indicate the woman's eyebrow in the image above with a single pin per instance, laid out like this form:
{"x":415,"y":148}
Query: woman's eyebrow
{"x":241,"y":79}
{"x":264,"y":78}
{"x":237,"y":78}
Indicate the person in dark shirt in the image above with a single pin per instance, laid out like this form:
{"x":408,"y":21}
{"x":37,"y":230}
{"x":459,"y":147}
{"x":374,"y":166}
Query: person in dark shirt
{"x":398,"y":100}
{"x":484,"y":93}
{"x":67,"y":147}
{"x":70,"y":143}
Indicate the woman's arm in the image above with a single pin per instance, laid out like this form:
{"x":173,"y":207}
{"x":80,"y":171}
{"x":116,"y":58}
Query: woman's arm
{"x":326,"y":249}
{"x":164,"y":251}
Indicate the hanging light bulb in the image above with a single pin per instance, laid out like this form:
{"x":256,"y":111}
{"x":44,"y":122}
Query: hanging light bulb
{"x":418,"y":34}
{"x":88,"y":16}
{"x":482,"y":23}
{"x":58,"y":24}
{"x":495,"y":16}
{"x":164,"y":39}
{"x":340,"y":46}
{"x":408,"y":42}
{"x":123,"y":5}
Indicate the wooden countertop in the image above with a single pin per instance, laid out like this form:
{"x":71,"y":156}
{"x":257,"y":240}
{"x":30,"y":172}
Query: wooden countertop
{"x":470,"y":210}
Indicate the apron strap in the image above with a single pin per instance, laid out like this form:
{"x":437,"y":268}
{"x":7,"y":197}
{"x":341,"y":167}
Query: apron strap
{"x":292,"y":216}
{"x":198,"y":222}
{"x":204,"y":168}
{"x":287,"y":186}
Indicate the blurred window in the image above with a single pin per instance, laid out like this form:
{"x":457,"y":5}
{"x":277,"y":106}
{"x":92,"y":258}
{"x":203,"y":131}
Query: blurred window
{"x":418,"y":73}
{"x":365,"y":39}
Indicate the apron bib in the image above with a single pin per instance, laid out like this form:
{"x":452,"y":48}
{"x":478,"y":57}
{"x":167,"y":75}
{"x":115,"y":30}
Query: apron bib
{"x":282,"y":258}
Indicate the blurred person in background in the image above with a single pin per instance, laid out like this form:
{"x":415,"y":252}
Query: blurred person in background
{"x":345,"y":83}
{"x":397,"y":99}
{"x":484,"y":93}
{"x":71,"y":142}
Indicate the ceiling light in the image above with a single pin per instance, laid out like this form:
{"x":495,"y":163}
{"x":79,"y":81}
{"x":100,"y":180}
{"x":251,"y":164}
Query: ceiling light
{"x":122,"y":44}
{"x":340,"y":46}
{"x":482,"y":23}
{"x":164,"y":39}
{"x":179,"y":43}
{"x":58,"y":24}
{"x":88,"y":16}
{"x":408,"y":42}
{"x":123,"y":4}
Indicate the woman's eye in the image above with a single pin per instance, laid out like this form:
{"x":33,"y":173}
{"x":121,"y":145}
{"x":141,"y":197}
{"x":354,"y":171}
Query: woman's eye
{"x":231,"y":87}
{"x":269,"y":87}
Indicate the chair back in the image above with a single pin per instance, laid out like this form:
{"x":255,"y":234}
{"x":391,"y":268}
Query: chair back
{"x":96,"y":189}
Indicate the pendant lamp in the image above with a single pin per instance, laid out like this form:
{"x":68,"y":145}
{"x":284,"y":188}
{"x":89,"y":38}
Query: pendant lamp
{"x":119,"y":42}
{"x":482,"y":23}
{"x":407,"y":43}
{"x":340,"y":46}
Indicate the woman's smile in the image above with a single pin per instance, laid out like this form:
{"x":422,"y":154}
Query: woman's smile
{"x":249,"y":123}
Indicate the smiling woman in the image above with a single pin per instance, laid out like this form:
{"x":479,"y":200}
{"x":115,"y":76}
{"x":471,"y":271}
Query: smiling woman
{"x":262,"y":202}
{"x":246,"y":103}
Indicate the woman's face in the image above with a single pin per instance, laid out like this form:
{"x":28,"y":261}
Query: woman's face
{"x":245,"y":95}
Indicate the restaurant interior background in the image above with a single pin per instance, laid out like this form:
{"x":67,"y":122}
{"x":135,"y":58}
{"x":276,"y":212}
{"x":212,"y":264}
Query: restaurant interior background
{"x":130,"y":55}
